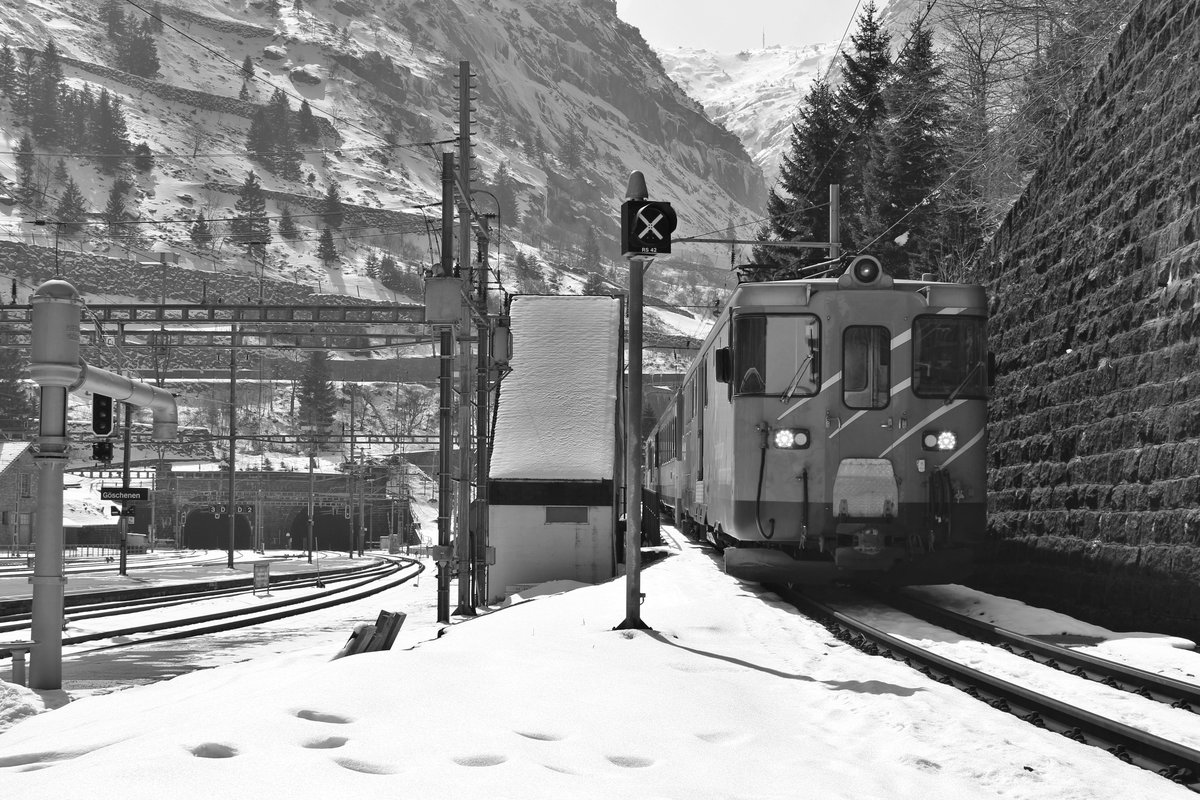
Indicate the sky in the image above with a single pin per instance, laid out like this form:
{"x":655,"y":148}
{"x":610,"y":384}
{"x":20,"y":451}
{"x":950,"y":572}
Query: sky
{"x":729,"y":27}
{"x":731,"y":694}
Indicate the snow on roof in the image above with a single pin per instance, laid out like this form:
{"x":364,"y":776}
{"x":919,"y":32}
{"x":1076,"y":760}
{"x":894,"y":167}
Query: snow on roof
{"x":557,"y":410}
{"x":10,"y":452}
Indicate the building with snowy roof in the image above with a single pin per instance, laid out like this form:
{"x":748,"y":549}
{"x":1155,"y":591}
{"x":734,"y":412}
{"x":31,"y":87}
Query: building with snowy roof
{"x":556,"y":453}
{"x":18,"y":493}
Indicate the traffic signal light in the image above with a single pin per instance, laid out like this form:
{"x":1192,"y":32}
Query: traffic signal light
{"x":102,"y":415}
{"x":102,"y":451}
{"x":646,"y":227}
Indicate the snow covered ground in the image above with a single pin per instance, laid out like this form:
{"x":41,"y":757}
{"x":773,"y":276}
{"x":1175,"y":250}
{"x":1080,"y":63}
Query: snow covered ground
{"x":732,"y":694}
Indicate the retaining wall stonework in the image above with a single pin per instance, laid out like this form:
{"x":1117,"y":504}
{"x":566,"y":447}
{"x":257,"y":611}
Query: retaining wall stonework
{"x":1094,"y":458}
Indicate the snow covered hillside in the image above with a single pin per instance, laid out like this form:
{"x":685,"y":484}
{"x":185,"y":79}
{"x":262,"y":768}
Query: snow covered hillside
{"x":756,"y":94}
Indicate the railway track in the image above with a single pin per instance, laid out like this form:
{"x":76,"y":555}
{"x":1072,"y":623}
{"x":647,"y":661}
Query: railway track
{"x":335,"y":588}
{"x":141,"y":598}
{"x":1152,"y":686}
{"x":1141,"y":748}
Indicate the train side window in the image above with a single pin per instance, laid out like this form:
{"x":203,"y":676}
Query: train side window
{"x":866,"y":366}
{"x":750,"y":354}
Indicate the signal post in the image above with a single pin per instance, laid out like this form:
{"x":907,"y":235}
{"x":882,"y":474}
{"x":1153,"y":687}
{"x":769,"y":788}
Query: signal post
{"x":646,"y":227}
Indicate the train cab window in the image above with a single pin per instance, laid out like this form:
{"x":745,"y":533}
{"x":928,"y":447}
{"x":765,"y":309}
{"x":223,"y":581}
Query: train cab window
{"x":949,"y":357}
{"x":866,"y":366}
{"x":750,"y":354}
{"x":777,"y":354}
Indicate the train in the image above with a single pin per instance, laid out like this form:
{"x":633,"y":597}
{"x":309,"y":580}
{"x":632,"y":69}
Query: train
{"x":833,"y":430}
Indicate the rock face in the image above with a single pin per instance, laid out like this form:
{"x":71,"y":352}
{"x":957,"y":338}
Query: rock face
{"x":582,"y":67}
{"x":1095,"y":426}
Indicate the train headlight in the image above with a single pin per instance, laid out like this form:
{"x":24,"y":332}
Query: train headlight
{"x":939,"y":440}
{"x":866,"y":270}
{"x":791,"y":438}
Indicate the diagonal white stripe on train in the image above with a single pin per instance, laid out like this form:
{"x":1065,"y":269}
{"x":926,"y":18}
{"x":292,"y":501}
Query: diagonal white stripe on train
{"x":920,"y":425}
{"x":849,"y":422}
{"x":837,"y":377}
{"x":901,"y":338}
{"x":971,"y":443}
{"x":952,"y":310}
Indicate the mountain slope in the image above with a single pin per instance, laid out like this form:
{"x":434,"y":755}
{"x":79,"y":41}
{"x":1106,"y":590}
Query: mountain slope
{"x":756,"y":94}
{"x":546,"y":70}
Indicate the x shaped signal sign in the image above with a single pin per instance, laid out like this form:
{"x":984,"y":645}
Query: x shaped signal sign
{"x":650,"y":225}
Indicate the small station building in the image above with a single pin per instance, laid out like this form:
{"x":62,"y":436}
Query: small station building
{"x":555,"y":455}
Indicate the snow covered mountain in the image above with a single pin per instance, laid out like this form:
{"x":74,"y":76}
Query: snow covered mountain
{"x":756,"y":94}
{"x":568,"y":98}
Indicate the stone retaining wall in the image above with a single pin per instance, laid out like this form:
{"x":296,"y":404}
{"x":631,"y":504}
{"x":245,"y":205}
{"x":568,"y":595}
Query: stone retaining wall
{"x":1095,"y":427}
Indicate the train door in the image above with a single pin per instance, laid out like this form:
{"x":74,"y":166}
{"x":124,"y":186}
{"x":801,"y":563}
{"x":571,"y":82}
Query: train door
{"x":864,"y":484}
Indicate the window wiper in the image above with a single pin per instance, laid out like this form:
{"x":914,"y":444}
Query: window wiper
{"x":795,"y":384}
{"x":970,"y":374}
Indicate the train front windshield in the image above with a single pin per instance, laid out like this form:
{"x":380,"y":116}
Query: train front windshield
{"x":777,"y":355}
{"x":949,"y":357}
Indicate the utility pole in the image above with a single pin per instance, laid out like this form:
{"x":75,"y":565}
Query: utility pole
{"x":124,"y":523}
{"x":352,"y":482}
{"x":445,"y":396}
{"x":463,"y":537}
{"x":482,"y":452}
{"x":232,"y":440}
{"x":312,"y":458}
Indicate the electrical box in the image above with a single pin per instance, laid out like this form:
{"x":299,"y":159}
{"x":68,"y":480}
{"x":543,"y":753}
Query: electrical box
{"x":443,"y":301}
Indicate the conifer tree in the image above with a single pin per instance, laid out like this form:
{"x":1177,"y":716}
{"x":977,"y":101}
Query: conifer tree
{"x":60,"y":172}
{"x":113,"y":14}
{"x":23,"y":86}
{"x":910,"y":162}
{"x":250,"y":226}
{"x":70,"y":212}
{"x":797,"y":208}
{"x":143,"y":159}
{"x":78,"y":114}
{"x":332,"y":210}
{"x":326,"y":249}
{"x":318,"y":400}
{"x":573,"y":146}
{"x":306,"y":125}
{"x":591,"y":251}
{"x":865,"y":72}
{"x":506,"y":196}
{"x":286,"y":159}
{"x":26,"y":164}
{"x":201,"y":233}
{"x":144,"y":59}
{"x":109,"y":134}
{"x":247,"y":67}
{"x":44,"y":94}
{"x":156,"y":20}
{"x":114,"y":209}
{"x":8,"y":70}
{"x":18,"y":412}
{"x":287,"y":225}
{"x":372,"y":264}
{"x":389,"y":274}
{"x":594,"y":284}
{"x":244,"y":92}
{"x":258,"y":139}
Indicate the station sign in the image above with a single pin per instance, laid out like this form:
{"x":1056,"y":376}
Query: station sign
{"x":124,"y":493}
